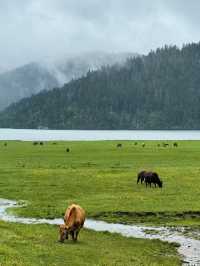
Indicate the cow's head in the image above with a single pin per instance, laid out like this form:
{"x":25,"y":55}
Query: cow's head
{"x":63,"y":232}
{"x":160,"y":184}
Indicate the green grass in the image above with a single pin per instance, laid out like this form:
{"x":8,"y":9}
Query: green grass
{"x":37,"y":245}
{"x":102,"y":179}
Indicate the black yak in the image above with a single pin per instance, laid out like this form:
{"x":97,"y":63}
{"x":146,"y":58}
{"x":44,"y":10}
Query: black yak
{"x":141,"y":177}
{"x":149,"y":178}
{"x":152,"y":177}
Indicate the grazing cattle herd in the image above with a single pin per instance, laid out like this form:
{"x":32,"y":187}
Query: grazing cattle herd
{"x":75,"y":216}
{"x":164,"y":145}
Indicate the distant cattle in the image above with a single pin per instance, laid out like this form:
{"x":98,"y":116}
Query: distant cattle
{"x":143,"y":145}
{"x":35,"y":143}
{"x":5,"y":144}
{"x":165,"y":145}
{"x":135,"y":143}
{"x":67,"y":150}
{"x":119,"y":145}
{"x":41,"y":143}
{"x":175,"y":144}
{"x":74,"y":220}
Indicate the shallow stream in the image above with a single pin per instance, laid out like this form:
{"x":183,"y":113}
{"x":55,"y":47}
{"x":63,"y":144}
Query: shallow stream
{"x":189,"y":247}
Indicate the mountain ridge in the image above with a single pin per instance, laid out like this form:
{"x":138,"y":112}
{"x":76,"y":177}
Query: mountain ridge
{"x":158,"y":91}
{"x":34,"y":77}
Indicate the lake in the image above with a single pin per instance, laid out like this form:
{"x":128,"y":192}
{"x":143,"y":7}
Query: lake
{"x":45,"y":135}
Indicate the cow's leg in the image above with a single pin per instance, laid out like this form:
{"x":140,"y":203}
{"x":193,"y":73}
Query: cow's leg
{"x":67,"y":235}
{"x":72,"y":234}
{"x":76,"y":235}
{"x":155,"y":184}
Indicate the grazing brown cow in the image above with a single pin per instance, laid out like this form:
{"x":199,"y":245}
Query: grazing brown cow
{"x":74,"y":220}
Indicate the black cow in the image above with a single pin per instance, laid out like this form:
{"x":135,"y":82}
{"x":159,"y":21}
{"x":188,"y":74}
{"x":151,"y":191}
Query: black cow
{"x":119,"y":145}
{"x":141,"y":177}
{"x":152,"y":177}
{"x":149,"y":178}
{"x":175,"y":144}
{"x":165,"y":145}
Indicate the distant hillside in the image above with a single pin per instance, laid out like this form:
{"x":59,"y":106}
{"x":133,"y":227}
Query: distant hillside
{"x":47,"y":74}
{"x":24,"y":82}
{"x":157,"y":91}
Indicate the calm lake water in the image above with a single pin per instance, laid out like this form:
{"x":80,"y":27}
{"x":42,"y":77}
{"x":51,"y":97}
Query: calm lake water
{"x":36,"y":134}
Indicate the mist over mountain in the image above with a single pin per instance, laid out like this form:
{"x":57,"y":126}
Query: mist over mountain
{"x":157,"y":91}
{"x":2,"y":69}
{"x":32,"y":78}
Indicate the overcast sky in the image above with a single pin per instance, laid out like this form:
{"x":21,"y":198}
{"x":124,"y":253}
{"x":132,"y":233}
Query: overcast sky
{"x":35,"y":29}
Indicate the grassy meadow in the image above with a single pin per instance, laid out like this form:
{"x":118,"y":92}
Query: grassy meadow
{"x":102,"y":179}
{"x":37,"y":245}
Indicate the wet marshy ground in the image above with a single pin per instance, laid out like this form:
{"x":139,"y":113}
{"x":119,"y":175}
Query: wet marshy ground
{"x":188,"y":241}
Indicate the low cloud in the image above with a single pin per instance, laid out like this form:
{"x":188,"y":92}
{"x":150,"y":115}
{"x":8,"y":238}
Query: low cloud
{"x":35,"y":29}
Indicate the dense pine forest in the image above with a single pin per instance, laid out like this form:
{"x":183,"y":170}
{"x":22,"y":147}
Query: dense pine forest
{"x":158,"y":91}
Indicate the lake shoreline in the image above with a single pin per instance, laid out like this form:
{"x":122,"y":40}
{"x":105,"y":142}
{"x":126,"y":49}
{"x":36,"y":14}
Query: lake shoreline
{"x":97,"y":135}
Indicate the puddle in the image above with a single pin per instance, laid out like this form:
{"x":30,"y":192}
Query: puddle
{"x":189,"y":247}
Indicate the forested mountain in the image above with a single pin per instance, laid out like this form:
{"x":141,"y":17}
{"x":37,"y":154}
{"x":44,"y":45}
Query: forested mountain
{"x":157,"y":91}
{"x":45,"y":75}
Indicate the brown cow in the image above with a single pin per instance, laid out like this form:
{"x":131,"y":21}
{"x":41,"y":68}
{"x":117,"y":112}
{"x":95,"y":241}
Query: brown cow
{"x":74,"y":220}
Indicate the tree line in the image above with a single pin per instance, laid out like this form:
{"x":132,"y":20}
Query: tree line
{"x":158,"y":91}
